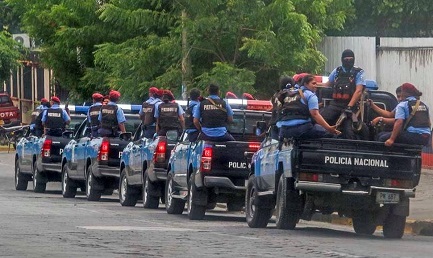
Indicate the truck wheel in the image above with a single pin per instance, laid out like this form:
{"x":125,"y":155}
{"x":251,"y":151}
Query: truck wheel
{"x":149,"y":201}
{"x":69,"y":190}
{"x":235,"y":206}
{"x":195,"y":212}
{"x":393,"y":226}
{"x":287,"y":198}
{"x":172,"y":205}
{"x":91,"y":193}
{"x":20,"y":181}
{"x":39,"y":184}
{"x":257,"y":217}
{"x":364,"y":224}
{"x":127,"y":195}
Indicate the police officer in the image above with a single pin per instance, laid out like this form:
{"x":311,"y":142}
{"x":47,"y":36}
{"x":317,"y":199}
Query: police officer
{"x":36,"y":126}
{"x":412,"y":120}
{"x":385,"y":117}
{"x":111,"y":117}
{"x":55,"y":119}
{"x":348,"y":85}
{"x":169,"y":115}
{"x":285,"y":83}
{"x":93,"y":114}
{"x":298,"y":110}
{"x":193,"y":104}
{"x":212,"y":117}
{"x":147,"y":113}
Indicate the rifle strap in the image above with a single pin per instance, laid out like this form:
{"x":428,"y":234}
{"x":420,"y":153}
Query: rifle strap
{"x":213,"y":103}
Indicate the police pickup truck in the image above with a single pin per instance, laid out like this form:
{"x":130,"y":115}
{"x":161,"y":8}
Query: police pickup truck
{"x":204,"y":173}
{"x":363,"y":180}
{"x":38,"y":159}
{"x":93,"y":163}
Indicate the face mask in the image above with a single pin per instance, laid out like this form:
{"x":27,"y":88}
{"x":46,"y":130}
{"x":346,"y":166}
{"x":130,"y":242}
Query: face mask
{"x":348,"y":64}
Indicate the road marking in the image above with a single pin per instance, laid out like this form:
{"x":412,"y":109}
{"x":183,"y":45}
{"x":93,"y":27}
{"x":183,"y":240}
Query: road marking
{"x":133,"y":228}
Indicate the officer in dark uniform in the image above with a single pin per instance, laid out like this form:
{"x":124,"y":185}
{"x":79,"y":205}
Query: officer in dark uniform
{"x":111,"y":117}
{"x":412,"y":120}
{"x":147,"y":113}
{"x":285,"y":83}
{"x":212,"y":117}
{"x":193,"y":104}
{"x":36,"y":126}
{"x":169,"y":115}
{"x":55,"y":119}
{"x":348,"y":86}
{"x":93,"y":114}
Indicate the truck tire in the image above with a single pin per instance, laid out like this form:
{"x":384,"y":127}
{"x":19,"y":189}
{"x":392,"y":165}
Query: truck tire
{"x":92,"y":193}
{"x":127,"y":194}
{"x":195,"y":212}
{"x":39,"y":182}
{"x":69,"y":190}
{"x":172,"y":205}
{"x":393,"y":226}
{"x":149,"y":201}
{"x":286,"y":216}
{"x":256,"y":216}
{"x":364,"y":224}
{"x":21,"y":181}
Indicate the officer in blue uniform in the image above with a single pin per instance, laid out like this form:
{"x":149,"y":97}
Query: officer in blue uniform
{"x":212,"y":116}
{"x":147,"y":113}
{"x":93,"y":114}
{"x":111,"y":117}
{"x":169,"y":115}
{"x":193,"y":104}
{"x":36,"y":126}
{"x":55,"y":119}
{"x":348,"y":83}
{"x":299,"y":107}
{"x":412,"y":120}
{"x":285,"y":83}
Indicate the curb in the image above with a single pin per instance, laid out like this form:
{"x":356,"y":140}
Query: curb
{"x":6,"y":148}
{"x":414,"y":227}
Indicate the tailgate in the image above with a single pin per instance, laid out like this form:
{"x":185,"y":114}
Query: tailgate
{"x":115,"y":152}
{"x":57,"y":146}
{"x":349,"y":158}
{"x":229,"y":159}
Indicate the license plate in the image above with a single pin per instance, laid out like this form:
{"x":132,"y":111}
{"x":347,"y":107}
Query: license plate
{"x":387,"y":197}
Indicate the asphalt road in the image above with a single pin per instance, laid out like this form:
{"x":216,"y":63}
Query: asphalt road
{"x":46,"y":225}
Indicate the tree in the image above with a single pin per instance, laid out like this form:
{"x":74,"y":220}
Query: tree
{"x":9,"y":55}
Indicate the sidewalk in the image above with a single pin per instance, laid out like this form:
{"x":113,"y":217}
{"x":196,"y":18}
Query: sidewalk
{"x":420,"y":220}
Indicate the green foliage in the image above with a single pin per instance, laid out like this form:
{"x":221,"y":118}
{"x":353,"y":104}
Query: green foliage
{"x":9,"y":55}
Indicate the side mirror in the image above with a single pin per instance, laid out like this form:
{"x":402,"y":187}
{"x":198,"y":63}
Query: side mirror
{"x":261,"y":127}
{"x":68,"y":134}
{"x":125,"y":136}
{"x":172,"y":135}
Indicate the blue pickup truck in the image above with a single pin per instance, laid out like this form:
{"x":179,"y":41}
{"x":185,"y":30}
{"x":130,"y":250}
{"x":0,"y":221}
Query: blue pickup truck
{"x":93,"y":163}
{"x":362,"y":180}
{"x":204,"y":173}
{"x":38,"y":159}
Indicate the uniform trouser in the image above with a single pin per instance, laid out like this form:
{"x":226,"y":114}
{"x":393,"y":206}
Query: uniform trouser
{"x":303,"y":131}
{"x":224,"y":138}
{"x":149,"y":131}
{"x":332,"y":112}
{"x":406,"y":137}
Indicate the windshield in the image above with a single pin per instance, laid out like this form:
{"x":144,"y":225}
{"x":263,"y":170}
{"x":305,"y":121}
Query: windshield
{"x":244,"y":124}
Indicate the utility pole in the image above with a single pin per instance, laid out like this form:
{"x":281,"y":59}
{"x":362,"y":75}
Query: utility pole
{"x":186,"y":60}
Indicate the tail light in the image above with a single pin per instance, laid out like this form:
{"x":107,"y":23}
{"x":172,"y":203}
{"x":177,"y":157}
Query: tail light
{"x":46,"y":148}
{"x":313,"y":177}
{"x":159,"y":155}
{"x":398,"y":183}
{"x":254,"y":146}
{"x":104,"y":150}
{"x":206,"y":159}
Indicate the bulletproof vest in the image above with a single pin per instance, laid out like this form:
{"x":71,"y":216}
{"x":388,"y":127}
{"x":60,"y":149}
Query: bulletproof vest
{"x":345,"y":84}
{"x":94,"y":113}
{"x":149,"y":113}
{"x":54,"y":119}
{"x":292,"y":107}
{"x":37,"y":118}
{"x":109,"y":117}
{"x":189,"y":119}
{"x":168,"y":115}
{"x":212,"y":115}
{"x":421,"y":117}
